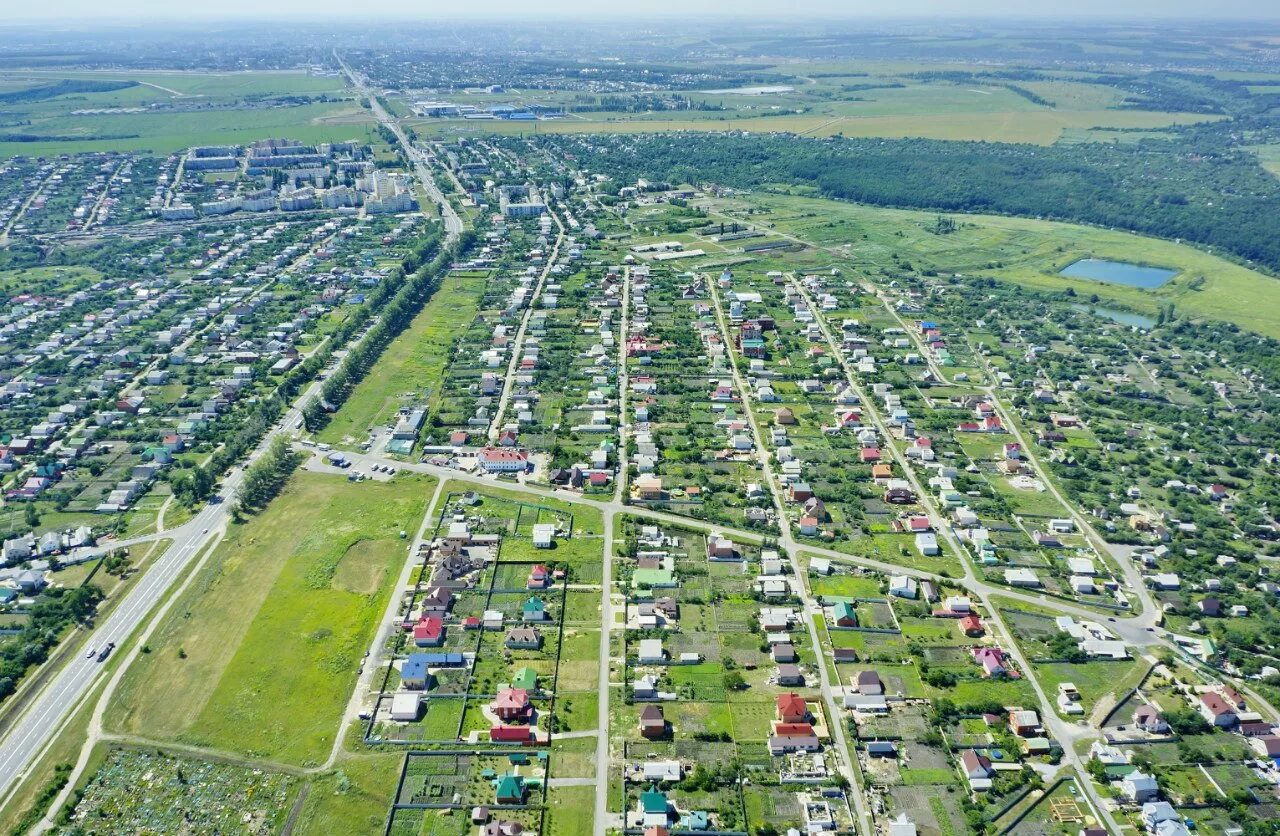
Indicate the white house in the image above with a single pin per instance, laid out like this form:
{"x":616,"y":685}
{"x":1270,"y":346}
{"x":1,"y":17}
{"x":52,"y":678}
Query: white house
{"x":903,"y":586}
{"x":651,"y":651}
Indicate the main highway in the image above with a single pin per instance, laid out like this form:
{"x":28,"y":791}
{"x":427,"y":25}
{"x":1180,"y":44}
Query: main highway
{"x":419,"y":160}
{"x":29,"y":734}
{"x":37,"y":725}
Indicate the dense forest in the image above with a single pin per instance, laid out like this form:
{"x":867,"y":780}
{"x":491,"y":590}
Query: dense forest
{"x":1200,"y":188}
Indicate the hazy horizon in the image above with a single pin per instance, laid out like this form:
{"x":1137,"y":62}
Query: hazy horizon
{"x":141,"y":11}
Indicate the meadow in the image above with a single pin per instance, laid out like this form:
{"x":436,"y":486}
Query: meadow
{"x":260,"y":655}
{"x":227,"y":108}
{"x":874,"y":99}
{"x":1030,"y":252}
{"x":1041,"y":127}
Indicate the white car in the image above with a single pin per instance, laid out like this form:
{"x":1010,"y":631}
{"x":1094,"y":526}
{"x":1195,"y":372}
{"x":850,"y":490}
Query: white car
{"x":93,"y":651}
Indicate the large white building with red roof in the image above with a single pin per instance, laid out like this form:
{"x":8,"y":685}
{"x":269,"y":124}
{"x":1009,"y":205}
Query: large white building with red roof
{"x":503,"y":460}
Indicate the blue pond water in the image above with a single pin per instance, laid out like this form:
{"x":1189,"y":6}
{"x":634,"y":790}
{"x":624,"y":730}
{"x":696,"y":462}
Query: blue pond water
{"x":1119,"y":272}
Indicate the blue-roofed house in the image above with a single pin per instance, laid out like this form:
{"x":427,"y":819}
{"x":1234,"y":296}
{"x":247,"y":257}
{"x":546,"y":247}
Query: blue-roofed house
{"x":413,"y":673}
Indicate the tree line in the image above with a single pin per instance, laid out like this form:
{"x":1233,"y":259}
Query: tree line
{"x":49,"y":618}
{"x":1201,"y":188}
{"x":424,"y":273}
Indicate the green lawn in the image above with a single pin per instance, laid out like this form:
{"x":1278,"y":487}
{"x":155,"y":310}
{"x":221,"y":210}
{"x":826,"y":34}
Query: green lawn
{"x":260,"y":656}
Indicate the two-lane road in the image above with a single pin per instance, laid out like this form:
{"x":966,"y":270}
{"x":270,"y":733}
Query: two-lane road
{"x":39,"y":724}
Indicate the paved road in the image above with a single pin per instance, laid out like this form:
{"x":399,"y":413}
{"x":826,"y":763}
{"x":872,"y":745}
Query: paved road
{"x":30,"y":733}
{"x":452,"y":223}
{"x":33,"y":730}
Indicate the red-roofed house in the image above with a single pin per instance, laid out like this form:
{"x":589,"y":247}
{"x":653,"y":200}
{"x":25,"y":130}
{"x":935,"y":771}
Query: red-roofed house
{"x":512,"y":705}
{"x":539,"y":577}
{"x":792,"y":708}
{"x":429,"y":631}
{"x":992,"y":660}
{"x":971,"y":626}
{"x":510,"y":734}
{"x":499,"y":460}
{"x":1216,"y":710}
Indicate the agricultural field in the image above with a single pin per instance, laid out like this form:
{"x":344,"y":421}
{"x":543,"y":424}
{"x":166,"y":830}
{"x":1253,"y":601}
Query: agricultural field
{"x":163,"y":112}
{"x":871,"y":100}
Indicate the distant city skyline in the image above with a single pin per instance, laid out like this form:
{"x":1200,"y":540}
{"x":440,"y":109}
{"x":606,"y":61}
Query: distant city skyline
{"x":164,"y":10}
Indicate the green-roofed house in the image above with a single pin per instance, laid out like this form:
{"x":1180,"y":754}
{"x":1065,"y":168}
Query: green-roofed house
{"x":158,"y":454}
{"x":654,"y":807}
{"x":654,"y":578}
{"x":844,"y":615}
{"x":533,"y":610}
{"x":525,"y":679}
{"x":510,"y":790}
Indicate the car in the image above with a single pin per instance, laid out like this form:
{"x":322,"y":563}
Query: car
{"x":92,"y":652}
{"x":204,"y":531}
{"x":1111,"y":618}
{"x":364,"y":715}
{"x":106,"y":651}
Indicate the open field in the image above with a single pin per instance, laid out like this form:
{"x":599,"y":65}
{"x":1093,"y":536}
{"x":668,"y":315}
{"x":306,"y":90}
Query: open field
{"x":413,"y":363}
{"x":353,"y":797}
{"x":304,"y":582}
{"x":164,"y":133}
{"x":187,"y":84}
{"x":1031,"y":252}
{"x":166,"y":112}
{"x":1042,"y":127}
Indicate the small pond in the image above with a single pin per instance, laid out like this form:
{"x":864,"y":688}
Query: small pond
{"x":1119,"y":272}
{"x":1123,"y":317}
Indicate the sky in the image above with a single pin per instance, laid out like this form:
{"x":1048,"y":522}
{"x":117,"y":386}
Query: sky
{"x":143,"y":10}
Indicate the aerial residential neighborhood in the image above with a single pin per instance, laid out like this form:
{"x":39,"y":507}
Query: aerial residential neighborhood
{"x":730,"y":426}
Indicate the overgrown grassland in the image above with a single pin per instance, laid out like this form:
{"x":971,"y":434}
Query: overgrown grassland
{"x":261,"y":653}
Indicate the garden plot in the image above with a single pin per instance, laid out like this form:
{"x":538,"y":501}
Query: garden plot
{"x":680,"y":378}
{"x":500,"y":632}
{"x":134,"y":791}
{"x":438,"y":791}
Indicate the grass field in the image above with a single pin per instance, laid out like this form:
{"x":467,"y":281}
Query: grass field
{"x":353,"y":797}
{"x":1269,"y":156}
{"x":1043,"y":127}
{"x":164,"y":133}
{"x":413,"y":364}
{"x":261,"y":654}
{"x":1032,"y":253}
{"x":169,"y":82}
{"x":180,"y":110}
{"x":874,"y":99}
